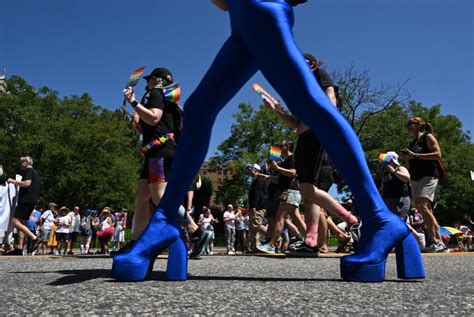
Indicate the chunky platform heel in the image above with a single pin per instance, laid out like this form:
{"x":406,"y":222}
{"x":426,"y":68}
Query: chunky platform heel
{"x":177,"y":267}
{"x":409,"y":260}
{"x":363,"y":272}
{"x":137,"y":263}
{"x":379,"y":236}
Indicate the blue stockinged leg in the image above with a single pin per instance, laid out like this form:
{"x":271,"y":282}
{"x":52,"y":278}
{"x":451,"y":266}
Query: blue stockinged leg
{"x":265,"y":28}
{"x":231,"y":69}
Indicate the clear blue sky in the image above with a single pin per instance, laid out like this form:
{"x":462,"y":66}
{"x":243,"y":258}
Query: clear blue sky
{"x":92,"y":46}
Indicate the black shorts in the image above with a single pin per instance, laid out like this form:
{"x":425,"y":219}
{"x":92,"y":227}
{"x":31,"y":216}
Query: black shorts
{"x":73,"y":236}
{"x":272,"y":206}
{"x":156,"y":169}
{"x":23,"y":211}
{"x":62,"y":237}
{"x":309,"y":162}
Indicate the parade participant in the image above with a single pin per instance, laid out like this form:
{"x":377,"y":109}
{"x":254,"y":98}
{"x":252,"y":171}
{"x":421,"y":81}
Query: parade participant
{"x":423,"y":156}
{"x":395,"y":184}
{"x":159,"y":120}
{"x":288,"y":194}
{"x":262,"y":39}
{"x":27,"y":198}
{"x":314,"y":170}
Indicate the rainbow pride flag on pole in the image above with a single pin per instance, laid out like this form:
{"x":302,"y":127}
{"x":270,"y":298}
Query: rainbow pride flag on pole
{"x":268,"y":97}
{"x":172,"y":92}
{"x":275,"y":154}
{"x":135,"y":77}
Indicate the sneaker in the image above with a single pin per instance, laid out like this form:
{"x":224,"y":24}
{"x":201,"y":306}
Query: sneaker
{"x":440,"y":248}
{"x":354,"y":230}
{"x":211,"y":253}
{"x":304,"y":250}
{"x":230,"y":252}
{"x":430,"y":248}
{"x":123,"y":249}
{"x":296,"y":245}
{"x":266,"y":248}
{"x":200,"y":244}
{"x":33,"y":245}
{"x":297,"y":239}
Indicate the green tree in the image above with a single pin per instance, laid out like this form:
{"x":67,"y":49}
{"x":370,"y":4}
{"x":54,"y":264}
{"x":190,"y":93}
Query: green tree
{"x":84,"y":154}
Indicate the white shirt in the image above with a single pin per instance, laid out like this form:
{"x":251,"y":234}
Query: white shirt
{"x":48,"y":219}
{"x":206,"y":222}
{"x":231,"y":222}
{"x":64,"y":224}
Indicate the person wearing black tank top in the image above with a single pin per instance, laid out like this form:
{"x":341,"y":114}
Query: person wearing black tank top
{"x":395,"y":184}
{"x":422,"y":157}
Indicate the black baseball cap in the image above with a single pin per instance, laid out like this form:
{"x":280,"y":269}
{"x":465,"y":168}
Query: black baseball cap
{"x":160,"y":72}
{"x":310,"y":58}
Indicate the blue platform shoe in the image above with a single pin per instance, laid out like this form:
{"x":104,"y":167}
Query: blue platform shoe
{"x":137,"y":263}
{"x":382,"y":232}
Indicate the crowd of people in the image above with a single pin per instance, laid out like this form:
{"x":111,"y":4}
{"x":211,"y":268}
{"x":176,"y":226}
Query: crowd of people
{"x":61,"y":230}
{"x":272,"y":222}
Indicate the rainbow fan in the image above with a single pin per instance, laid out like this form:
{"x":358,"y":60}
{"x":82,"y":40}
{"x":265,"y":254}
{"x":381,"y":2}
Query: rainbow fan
{"x":135,"y":77}
{"x":275,"y":154}
{"x":172,"y":92}
{"x":268,"y":97}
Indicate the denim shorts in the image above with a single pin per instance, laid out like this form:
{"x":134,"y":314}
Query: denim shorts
{"x":291,"y":196}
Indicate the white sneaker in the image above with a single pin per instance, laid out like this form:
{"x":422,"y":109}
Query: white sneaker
{"x":230,"y":252}
{"x":211,"y":253}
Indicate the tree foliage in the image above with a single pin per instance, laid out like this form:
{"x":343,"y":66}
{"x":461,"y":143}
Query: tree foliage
{"x":85,"y":155}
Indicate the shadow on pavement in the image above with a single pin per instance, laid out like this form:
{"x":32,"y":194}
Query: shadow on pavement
{"x":79,"y":276}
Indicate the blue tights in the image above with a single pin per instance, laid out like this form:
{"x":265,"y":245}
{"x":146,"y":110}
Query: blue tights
{"x":262,"y":40}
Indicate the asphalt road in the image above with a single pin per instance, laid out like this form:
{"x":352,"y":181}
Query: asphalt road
{"x":233,"y":285}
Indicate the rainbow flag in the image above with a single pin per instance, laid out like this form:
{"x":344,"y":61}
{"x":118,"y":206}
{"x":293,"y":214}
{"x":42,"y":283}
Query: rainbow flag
{"x":275,"y":154}
{"x":135,"y":77}
{"x":267,"y":96}
{"x":172,"y":92}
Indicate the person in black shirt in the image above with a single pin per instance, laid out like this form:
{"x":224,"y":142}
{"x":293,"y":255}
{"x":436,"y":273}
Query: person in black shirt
{"x":159,"y":121}
{"x":395,"y":184}
{"x":289,"y":196}
{"x":423,"y":156}
{"x":27,"y":199}
{"x":314,"y":170}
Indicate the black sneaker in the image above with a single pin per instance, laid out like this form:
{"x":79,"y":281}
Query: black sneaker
{"x":123,"y":249}
{"x":303,"y":250}
{"x":296,"y":239}
{"x":33,"y":245}
{"x":296,"y":245}
{"x":200,"y":244}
